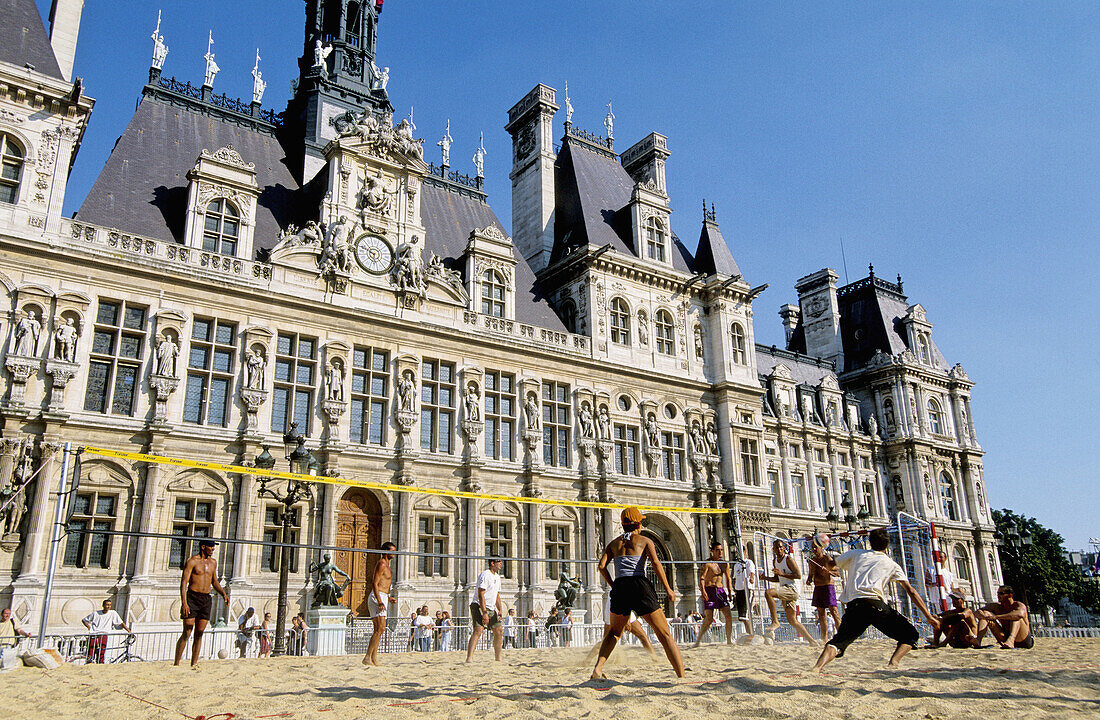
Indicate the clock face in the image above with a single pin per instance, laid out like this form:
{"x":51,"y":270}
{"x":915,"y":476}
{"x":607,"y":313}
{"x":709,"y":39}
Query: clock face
{"x":374,"y":254}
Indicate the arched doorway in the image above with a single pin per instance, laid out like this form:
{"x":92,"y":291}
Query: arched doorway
{"x":664,"y":556}
{"x":358,"y":525}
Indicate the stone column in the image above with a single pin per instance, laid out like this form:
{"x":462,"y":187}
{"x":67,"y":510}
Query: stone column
{"x":242,"y":553}
{"x":39,"y":521}
{"x":148,"y":524}
{"x":784,"y":471}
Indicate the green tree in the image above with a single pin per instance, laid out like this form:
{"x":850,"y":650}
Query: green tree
{"x":1040,"y":571}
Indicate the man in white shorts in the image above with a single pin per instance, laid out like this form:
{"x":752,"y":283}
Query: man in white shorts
{"x":487,"y":611}
{"x":376,"y":601}
{"x":744,"y":574}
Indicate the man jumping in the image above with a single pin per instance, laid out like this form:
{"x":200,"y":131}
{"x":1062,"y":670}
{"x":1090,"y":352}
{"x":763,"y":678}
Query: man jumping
{"x":785,"y":572}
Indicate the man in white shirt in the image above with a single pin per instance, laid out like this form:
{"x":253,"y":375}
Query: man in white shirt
{"x":247,"y":624}
{"x":867,"y":573}
{"x":510,"y":627}
{"x":744,"y":578}
{"x":487,"y":610}
{"x":423,"y":626}
{"x":100,"y":623}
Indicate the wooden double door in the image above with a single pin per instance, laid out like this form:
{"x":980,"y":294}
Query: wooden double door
{"x":358,"y":526}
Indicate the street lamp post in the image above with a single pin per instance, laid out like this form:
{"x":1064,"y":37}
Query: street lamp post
{"x":1014,"y":542}
{"x":832,"y":518}
{"x":288,"y":495}
{"x":849,"y":518}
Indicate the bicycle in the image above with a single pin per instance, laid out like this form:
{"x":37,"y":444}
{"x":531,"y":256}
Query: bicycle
{"x":126,"y":655}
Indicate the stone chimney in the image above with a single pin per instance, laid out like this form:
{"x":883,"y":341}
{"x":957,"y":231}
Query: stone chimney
{"x":531,"y":125}
{"x":645,"y":160}
{"x":64,"y":29}
{"x":821,"y":316}
{"x":789,"y":313}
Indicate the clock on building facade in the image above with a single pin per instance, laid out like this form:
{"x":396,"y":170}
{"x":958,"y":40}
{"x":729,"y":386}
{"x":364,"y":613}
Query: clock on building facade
{"x":374,"y":254}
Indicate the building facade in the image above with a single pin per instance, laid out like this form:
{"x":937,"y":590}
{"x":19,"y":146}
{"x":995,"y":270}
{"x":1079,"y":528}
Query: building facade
{"x":233,"y":271}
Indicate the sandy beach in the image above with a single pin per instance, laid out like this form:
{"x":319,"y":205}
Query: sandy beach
{"x":1059,"y":678}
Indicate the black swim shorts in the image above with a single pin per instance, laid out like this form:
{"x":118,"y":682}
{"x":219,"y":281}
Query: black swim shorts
{"x":633,"y":594}
{"x":864,"y":612}
{"x":199,"y":604}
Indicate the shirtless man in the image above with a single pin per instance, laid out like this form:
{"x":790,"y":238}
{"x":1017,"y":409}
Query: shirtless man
{"x":199,"y":574}
{"x":786,"y":573}
{"x":716,"y":588}
{"x":823,"y":569}
{"x":1008,"y":621}
{"x":958,"y":626}
{"x":376,"y":601}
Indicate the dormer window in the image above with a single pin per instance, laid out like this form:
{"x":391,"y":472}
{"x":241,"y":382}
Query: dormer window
{"x":935,"y":417}
{"x":222,"y":228}
{"x":620,"y":322}
{"x":655,"y":240}
{"x":492,"y":294}
{"x":11,"y":169}
{"x":666,"y":334}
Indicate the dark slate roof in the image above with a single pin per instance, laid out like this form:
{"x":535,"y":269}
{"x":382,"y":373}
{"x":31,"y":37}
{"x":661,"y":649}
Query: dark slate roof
{"x":875,"y":308}
{"x":592,"y":195}
{"x":23,"y":38}
{"x":804,"y":369}
{"x":143,"y":187}
{"x":448,"y":218}
{"x":713,"y":254}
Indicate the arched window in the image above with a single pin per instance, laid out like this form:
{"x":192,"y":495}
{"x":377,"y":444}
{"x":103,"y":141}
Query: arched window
{"x":922,"y":346}
{"x":666,"y":338}
{"x":11,"y":169}
{"x":737,"y":343}
{"x":947,"y":493}
{"x":962,"y":564}
{"x":935,"y":417}
{"x":655,"y":239}
{"x":569,"y":315}
{"x":222,"y":229}
{"x":620,"y":322}
{"x":492,"y":294}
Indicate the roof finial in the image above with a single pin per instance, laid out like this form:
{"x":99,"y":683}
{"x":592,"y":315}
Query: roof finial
{"x":412,"y":125}
{"x":445,"y":144}
{"x":871,"y":267}
{"x":160,"y":50}
{"x":258,"y":83}
{"x":211,"y":66}
{"x":479,"y":158}
{"x":899,"y":282}
{"x":568,"y":107}
{"x":609,"y":122}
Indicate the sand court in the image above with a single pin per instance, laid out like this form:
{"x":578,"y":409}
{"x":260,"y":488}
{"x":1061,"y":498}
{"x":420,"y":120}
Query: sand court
{"x":1059,"y":678}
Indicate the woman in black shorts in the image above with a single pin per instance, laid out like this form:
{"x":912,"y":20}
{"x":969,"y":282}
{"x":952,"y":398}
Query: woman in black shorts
{"x":631,"y":591}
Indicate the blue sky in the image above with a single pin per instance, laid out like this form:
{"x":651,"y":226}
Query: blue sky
{"x":954,"y":143}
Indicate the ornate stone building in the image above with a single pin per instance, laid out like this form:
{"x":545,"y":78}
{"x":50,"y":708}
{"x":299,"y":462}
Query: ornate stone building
{"x":233,"y":270}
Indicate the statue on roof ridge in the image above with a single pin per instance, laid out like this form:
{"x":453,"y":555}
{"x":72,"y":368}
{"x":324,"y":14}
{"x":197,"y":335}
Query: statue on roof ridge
{"x":445,"y":144}
{"x":609,"y":122}
{"x":160,"y":50}
{"x":212,"y":68}
{"x":258,"y":83}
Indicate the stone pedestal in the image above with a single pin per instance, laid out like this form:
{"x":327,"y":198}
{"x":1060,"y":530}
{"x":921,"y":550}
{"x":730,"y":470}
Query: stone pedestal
{"x":329,"y":630}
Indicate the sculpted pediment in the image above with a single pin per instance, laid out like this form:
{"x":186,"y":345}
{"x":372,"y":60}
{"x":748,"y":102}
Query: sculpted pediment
{"x":198,"y":481}
{"x":437,"y":503}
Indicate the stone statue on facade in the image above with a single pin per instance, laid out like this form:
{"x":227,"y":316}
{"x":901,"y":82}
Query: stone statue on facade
{"x":436,"y":269}
{"x":698,"y":342}
{"x":254,"y":370}
{"x":376,"y":197}
{"x":408,"y":269}
{"x":326,"y":593}
{"x":65,"y":342}
{"x":479,"y":158}
{"x":320,"y":54}
{"x":21,"y":476}
{"x":27,"y":331}
{"x":165,"y":360}
{"x":652,"y":432}
{"x":807,"y":409}
{"x":568,"y":588}
{"x":698,"y":443}
{"x":603,"y":424}
{"x":335,"y":256}
{"x":888,"y":413}
{"x":334,"y":381}
{"x":212,"y":68}
{"x":258,"y":83}
{"x":712,"y":439}
{"x":872,"y":426}
{"x":473,"y":403}
{"x":531,"y":412}
{"x":445,"y":145}
{"x":160,"y":50}
{"x":588,"y":429}
{"x":312,"y":234}
{"x":403,"y":137}
{"x":406,"y":392}
{"x":643,"y":327}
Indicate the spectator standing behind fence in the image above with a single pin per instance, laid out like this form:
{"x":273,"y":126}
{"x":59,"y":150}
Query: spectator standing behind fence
{"x":100,"y":623}
{"x":532,"y":629}
{"x":437,"y":632}
{"x":247,"y":624}
{"x":510,"y":628}
{"x":424,"y":627}
{"x":567,"y":627}
{"x":10,"y":632}
{"x":446,"y":626}
{"x":297,"y":635}
{"x":412,"y":629}
{"x":265,"y":636}
{"x":553,"y":628}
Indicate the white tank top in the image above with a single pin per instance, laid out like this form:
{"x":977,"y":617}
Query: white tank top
{"x":783,"y":566}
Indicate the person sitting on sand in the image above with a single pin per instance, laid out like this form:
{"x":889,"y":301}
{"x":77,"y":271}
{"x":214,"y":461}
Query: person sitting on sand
{"x":958,"y":626}
{"x":867,"y":573}
{"x":631,"y":590}
{"x":1008,"y":620}
{"x":715,"y":586}
{"x":786,"y":573}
